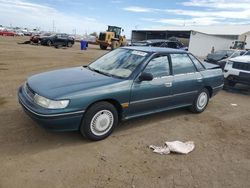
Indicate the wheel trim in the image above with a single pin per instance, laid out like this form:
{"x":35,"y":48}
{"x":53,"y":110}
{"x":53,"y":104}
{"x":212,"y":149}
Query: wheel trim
{"x":202,"y":100}
{"x":102,"y":122}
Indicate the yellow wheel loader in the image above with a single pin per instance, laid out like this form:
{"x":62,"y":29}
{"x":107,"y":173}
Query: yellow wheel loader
{"x":111,"y":38}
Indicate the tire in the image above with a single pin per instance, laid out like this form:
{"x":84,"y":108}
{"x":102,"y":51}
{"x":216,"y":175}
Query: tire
{"x":99,"y":121}
{"x":49,"y":43}
{"x":200,"y":102}
{"x":69,"y":44}
{"x":114,"y":45}
{"x":103,"y":47}
{"x":124,"y":44}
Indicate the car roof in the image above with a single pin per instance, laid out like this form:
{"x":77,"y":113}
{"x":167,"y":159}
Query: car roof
{"x":244,"y":59}
{"x":151,"y":49}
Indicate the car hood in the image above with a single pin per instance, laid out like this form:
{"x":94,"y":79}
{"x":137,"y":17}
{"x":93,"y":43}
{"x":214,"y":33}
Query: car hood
{"x":60,"y":83}
{"x":242,"y":59}
{"x":215,"y":57}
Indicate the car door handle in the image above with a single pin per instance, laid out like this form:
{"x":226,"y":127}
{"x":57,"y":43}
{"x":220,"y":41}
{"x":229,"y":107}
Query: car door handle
{"x":168,"y":84}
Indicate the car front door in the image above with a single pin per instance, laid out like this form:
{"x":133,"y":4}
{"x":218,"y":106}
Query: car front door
{"x":154,"y":95}
{"x":187,"y":81}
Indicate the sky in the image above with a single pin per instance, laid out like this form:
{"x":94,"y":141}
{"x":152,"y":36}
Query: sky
{"x":87,"y":16}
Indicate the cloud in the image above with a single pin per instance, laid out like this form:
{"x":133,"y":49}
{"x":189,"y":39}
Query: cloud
{"x":26,"y":14}
{"x":204,"y":12}
{"x":116,"y":1}
{"x":139,"y":9}
{"x":219,"y":4}
{"x":185,"y":22}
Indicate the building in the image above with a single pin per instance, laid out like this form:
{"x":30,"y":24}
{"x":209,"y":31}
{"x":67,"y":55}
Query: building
{"x":199,"y":39}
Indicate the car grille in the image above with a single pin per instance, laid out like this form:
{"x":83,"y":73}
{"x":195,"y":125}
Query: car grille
{"x":102,"y":36}
{"x":241,"y":66}
{"x":29,"y":91}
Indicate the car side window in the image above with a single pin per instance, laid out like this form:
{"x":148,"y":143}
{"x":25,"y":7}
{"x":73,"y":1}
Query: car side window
{"x":157,"y":44}
{"x":158,"y":67}
{"x":172,"y":45}
{"x":182,"y":64}
{"x":197,"y":63}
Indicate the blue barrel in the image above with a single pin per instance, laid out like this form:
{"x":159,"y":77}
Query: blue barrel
{"x":83,"y":45}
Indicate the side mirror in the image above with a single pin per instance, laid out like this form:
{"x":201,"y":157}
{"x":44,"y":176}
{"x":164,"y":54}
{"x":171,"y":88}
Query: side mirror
{"x":145,"y":77}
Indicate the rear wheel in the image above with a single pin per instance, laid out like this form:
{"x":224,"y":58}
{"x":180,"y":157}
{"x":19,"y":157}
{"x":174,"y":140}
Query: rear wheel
{"x":114,"y":45}
{"x":49,"y":43}
{"x":99,"y":121}
{"x":103,"y":47}
{"x":200,"y":102}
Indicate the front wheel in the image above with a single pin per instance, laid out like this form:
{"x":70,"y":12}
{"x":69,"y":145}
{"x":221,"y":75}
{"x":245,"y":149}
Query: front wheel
{"x":99,"y":121}
{"x":70,"y":44}
{"x":114,"y":45}
{"x":200,"y":102}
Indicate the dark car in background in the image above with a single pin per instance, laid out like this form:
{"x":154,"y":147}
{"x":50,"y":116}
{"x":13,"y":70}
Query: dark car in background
{"x":36,"y":39}
{"x":58,"y":40}
{"x":125,"y":83}
{"x":161,"y":43}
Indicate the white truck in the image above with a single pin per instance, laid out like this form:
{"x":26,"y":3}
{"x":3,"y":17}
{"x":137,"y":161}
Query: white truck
{"x":237,"y":70}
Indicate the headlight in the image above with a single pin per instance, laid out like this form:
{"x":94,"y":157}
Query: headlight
{"x":50,"y":104}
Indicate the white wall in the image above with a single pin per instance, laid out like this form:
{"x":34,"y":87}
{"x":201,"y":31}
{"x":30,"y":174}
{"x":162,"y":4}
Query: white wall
{"x":248,"y":42}
{"x":201,"y":44}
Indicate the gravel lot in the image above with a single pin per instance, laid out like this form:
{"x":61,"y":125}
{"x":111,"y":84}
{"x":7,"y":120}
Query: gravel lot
{"x":33,"y":157}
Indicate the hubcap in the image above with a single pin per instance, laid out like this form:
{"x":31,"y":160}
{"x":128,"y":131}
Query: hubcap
{"x":202,"y":100}
{"x":102,"y":122}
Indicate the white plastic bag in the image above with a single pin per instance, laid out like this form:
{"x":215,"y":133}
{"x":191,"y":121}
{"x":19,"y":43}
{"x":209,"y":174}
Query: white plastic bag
{"x":174,"y":146}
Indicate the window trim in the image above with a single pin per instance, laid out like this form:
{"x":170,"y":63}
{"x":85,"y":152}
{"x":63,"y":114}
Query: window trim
{"x":189,"y":54}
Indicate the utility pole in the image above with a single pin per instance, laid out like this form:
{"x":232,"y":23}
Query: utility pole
{"x":53,"y":26}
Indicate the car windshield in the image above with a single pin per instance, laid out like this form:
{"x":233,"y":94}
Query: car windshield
{"x":118,"y":63}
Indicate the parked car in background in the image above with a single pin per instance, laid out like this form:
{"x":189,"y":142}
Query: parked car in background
{"x":161,"y":43}
{"x":237,"y":70}
{"x":220,"y":57}
{"x":236,"y":53}
{"x":125,"y":83}
{"x":36,"y":39}
{"x":58,"y":40}
{"x":8,"y":33}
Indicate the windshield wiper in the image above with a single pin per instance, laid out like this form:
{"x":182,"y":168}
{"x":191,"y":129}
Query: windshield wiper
{"x":100,"y":72}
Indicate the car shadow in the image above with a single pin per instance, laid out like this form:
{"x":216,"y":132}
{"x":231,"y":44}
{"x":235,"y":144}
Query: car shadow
{"x":28,"y":137}
{"x":239,"y":89}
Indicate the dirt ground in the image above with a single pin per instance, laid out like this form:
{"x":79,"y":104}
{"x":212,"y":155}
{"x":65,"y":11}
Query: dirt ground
{"x":33,"y":157}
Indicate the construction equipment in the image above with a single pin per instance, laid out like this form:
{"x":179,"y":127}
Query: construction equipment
{"x":111,"y":38}
{"x":238,"y":45}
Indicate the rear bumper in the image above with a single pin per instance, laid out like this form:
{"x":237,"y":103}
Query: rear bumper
{"x":68,"y":121}
{"x":104,"y":43}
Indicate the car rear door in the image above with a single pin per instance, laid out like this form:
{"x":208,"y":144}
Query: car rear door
{"x":187,"y":81}
{"x":150,"y":96}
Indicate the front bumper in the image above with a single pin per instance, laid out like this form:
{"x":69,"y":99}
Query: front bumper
{"x":50,"y":119}
{"x":243,"y":78}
